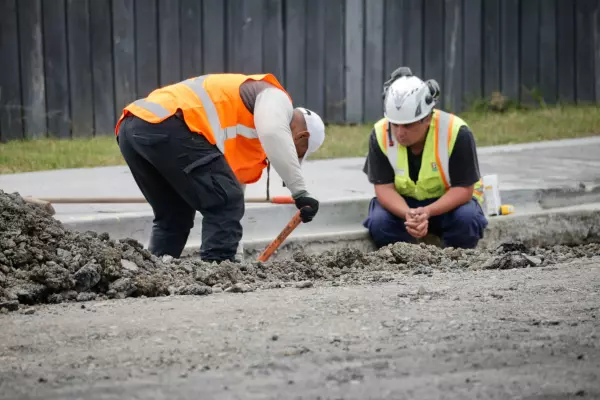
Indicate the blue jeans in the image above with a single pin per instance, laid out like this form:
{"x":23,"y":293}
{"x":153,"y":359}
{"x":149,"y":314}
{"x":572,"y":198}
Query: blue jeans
{"x":462,"y":227}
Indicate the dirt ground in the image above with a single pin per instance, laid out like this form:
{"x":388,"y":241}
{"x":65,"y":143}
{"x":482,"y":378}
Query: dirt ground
{"x":526,"y":333}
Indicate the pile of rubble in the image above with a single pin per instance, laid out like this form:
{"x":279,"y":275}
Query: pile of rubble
{"x":41,"y":261}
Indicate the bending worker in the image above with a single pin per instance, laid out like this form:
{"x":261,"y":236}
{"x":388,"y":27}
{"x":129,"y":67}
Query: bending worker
{"x":423,"y":164}
{"x":194,"y":145}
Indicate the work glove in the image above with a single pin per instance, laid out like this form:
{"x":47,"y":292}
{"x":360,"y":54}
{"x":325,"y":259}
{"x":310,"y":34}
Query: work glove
{"x":308,"y":207}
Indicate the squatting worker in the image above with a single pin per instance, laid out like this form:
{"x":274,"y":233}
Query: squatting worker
{"x":423,"y":164}
{"x":194,"y":145}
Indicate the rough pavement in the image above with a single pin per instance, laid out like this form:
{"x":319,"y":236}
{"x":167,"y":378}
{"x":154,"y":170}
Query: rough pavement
{"x":527,"y":333}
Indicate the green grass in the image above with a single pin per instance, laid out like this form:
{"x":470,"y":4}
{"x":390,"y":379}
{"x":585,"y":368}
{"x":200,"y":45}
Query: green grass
{"x":489,"y":128}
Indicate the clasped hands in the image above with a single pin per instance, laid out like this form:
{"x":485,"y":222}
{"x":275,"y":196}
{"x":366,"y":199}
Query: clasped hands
{"x":417,"y":222}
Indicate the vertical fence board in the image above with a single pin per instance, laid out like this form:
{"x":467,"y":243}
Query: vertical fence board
{"x":433,"y":43}
{"x":413,"y":36}
{"x":491,"y":47}
{"x":169,"y":60}
{"x":530,"y":23}
{"x":295,"y":50}
{"x":373,"y":70}
{"x":472,"y":60}
{"x":124,"y":53}
{"x":273,"y":39}
{"x":146,"y":47}
{"x":596,"y":30}
{"x":453,"y":85}
{"x":394,"y":40}
{"x":584,"y":51}
{"x":56,"y":69}
{"x":32,"y":68}
{"x":509,"y":64}
{"x":354,"y":60}
{"x":334,"y":61}
{"x":11,"y":121}
{"x":566,"y":50}
{"x":80,"y":78}
{"x":213,"y":36}
{"x":102,"y":71}
{"x":548,"y":83}
{"x":315,"y":56}
{"x":245,"y":36}
{"x":191,"y":38}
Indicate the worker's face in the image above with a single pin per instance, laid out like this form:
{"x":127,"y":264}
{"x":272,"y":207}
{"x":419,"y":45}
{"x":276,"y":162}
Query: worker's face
{"x":300,"y":141}
{"x":410,"y":134}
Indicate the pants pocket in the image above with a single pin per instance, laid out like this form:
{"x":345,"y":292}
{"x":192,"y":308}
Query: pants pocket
{"x":213,"y":181}
{"x":150,"y":139}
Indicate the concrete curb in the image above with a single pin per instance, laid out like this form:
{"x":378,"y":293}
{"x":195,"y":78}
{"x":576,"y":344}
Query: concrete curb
{"x":565,"y":226}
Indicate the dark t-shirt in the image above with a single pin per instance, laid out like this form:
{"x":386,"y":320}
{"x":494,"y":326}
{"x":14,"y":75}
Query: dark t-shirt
{"x":463,"y":163}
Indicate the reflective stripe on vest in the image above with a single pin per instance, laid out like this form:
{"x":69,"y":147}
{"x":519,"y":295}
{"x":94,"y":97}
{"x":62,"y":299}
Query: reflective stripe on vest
{"x":220,"y":134}
{"x":442,"y":138}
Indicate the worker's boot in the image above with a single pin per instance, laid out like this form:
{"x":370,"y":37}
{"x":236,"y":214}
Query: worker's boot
{"x":167,"y":243}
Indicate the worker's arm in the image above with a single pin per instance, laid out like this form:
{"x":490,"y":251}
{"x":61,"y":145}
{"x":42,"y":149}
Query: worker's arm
{"x":453,"y":198}
{"x":464,"y":173}
{"x":273,"y":113}
{"x":391,"y":200}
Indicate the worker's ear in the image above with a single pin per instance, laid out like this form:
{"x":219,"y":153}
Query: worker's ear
{"x":301,"y":142}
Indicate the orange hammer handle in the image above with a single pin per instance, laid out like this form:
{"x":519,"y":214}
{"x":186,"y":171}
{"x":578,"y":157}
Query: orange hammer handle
{"x":289,"y":228}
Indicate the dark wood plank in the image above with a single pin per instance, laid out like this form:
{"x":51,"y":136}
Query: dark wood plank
{"x":191,"y":38}
{"x":584,"y":51}
{"x":213,"y":36}
{"x":374,"y":73}
{"x":295,"y":50}
{"x":56,"y":68}
{"x":32,"y":68}
{"x":355,"y":31}
{"x":509,"y":49}
{"x":491,"y":47}
{"x":433,"y":43}
{"x":102,"y":72}
{"x":453,"y":53}
{"x":80,"y":78}
{"x":11,"y":120}
{"x":123,"y":53}
{"x":169,"y":42}
{"x":413,"y":36}
{"x":315,"y":56}
{"x":565,"y":20}
{"x":244,"y":35}
{"x":530,"y":46}
{"x":334,"y":62}
{"x":273,"y":38}
{"x":146,"y":47}
{"x":473,"y":52}
{"x":548,"y":77}
{"x":395,"y":43}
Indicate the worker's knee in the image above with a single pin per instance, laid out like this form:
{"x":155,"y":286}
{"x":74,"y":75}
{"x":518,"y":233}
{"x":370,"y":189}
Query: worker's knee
{"x":464,"y":226}
{"x":384,"y":227}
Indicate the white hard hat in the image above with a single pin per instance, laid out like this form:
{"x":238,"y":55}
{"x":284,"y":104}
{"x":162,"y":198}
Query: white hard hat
{"x":409,"y":99}
{"x":316,"y":128}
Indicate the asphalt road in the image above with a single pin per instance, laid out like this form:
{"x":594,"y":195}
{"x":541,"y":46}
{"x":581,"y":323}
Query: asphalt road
{"x":498,"y":334}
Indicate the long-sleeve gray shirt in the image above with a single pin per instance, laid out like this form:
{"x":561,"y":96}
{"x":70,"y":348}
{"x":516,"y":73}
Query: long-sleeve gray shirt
{"x":273,"y":110}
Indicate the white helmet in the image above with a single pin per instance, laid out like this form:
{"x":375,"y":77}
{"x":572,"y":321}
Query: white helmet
{"x":409,"y":99}
{"x":316,"y":128}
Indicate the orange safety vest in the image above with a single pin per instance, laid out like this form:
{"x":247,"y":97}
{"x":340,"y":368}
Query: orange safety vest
{"x":212,"y":106}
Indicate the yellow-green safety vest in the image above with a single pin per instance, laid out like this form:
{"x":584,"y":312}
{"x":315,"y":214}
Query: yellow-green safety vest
{"x":434,"y":176}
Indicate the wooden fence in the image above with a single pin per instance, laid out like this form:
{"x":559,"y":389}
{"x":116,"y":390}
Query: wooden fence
{"x":69,"y":66}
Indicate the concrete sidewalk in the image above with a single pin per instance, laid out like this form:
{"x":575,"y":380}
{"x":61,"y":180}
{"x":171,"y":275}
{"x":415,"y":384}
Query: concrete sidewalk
{"x":532,"y":177}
